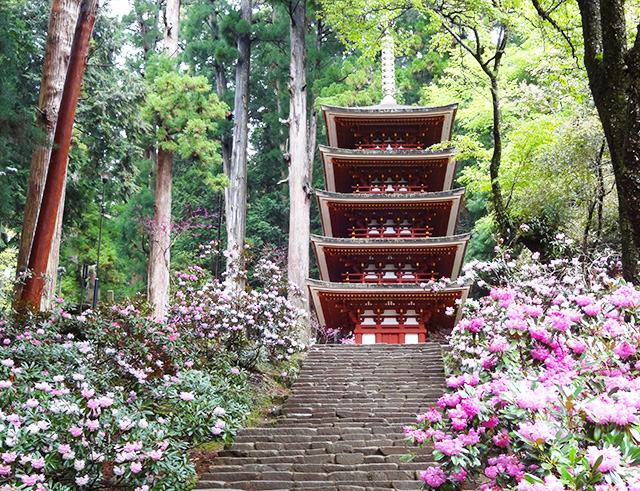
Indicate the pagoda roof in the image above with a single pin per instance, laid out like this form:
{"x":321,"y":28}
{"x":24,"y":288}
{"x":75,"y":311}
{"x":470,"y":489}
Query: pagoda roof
{"x":388,"y":198}
{"x":337,"y":162}
{"x":332,"y":301}
{"x":333,"y":207}
{"x":393,"y":109}
{"x":440,"y":118}
{"x":347,"y":241}
{"x":397,"y":154}
{"x":451,"y":248}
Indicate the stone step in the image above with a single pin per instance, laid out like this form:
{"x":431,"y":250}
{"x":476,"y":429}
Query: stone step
{"x":333,"y":476}
{"x":316,"y":485}
{"x":376,"y":458}
{"x":342,"y":427}
{"x":376,"y":466}
{"x":365,"y":447}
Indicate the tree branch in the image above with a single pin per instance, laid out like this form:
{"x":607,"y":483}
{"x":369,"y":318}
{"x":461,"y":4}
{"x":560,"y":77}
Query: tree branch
{"x":461,"y":42}
{"x":545,"y":15}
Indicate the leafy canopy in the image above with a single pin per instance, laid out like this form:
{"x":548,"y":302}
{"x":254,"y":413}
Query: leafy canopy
{"x":184,"y":113}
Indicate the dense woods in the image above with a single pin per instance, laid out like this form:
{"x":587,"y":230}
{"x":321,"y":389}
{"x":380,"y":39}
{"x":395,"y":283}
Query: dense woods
{"x":198,"y":122}
{"x":158,"y":165}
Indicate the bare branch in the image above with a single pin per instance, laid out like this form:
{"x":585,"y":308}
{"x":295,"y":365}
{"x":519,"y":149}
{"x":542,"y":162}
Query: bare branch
{"x":461,"y":42}
{"x":546,"y":15}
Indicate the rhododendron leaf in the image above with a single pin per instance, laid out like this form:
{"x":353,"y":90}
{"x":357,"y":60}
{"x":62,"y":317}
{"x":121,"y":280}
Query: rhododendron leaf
{"x":564,"y":473}
{"x":533,"y":479}
{"x":597,"y":463}
{"x":635,"y":433}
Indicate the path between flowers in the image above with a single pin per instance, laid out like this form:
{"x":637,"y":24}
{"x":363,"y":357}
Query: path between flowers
{"x":342,"y":426}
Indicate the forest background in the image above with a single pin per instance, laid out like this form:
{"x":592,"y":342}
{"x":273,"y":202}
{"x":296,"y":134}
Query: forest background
{"x":555,"y":172}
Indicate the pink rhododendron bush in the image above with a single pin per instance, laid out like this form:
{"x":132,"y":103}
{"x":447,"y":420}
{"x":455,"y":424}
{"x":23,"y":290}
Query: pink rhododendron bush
{"x":543,"y":389}
{"x":114,"y":400}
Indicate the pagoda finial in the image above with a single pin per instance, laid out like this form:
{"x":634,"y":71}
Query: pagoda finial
{"x":388,"y":71}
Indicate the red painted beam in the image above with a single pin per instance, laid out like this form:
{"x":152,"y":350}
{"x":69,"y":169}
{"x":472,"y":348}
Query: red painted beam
{"x":54,"y":185}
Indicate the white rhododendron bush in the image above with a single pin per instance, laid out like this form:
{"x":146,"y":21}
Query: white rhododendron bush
{"x":543,"y":387}
{"x":114,"y":400}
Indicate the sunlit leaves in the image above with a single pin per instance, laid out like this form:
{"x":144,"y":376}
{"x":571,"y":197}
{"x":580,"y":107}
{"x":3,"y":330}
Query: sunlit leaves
{"x":185,"y":113}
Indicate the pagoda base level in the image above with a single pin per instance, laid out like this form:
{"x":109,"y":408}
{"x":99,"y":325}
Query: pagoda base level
{"x":390,"y":335}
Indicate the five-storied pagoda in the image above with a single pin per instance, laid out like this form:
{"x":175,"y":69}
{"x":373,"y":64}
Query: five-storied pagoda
{"x":389,"y":219}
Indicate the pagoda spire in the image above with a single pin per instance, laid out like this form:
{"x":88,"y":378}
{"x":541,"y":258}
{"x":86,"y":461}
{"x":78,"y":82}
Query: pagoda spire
{"x":388,"y":72}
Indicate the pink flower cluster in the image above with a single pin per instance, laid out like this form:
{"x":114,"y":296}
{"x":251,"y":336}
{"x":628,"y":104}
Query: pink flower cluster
{"x":546,"y":364}
{"x":117,"y":408}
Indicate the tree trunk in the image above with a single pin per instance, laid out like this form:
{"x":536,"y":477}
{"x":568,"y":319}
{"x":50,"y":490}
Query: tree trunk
{"x":299,"y":163}
{"x":171,"y":26}
{"x":614,"y":105}
{"x":159,"y":269}
{"x":226,"y":140}
{"x":51,"y":277}
{"x":62,"y":23}
{"x":312,"y":129}
{"x":44,"y":233}
{"x":236,"y":191}
{"x":221,"y":89}
{"x":613,"y":69}
{"x":160,"y":253}
{"x":630,"y":173}
{"x":502,"y":219}
{"x":226,"y":144}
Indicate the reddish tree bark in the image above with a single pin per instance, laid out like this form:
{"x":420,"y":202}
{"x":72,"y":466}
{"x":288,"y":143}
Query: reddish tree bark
{"x":62,"y":23}
{"x":56,"y":174}
{"x":160,"y":253}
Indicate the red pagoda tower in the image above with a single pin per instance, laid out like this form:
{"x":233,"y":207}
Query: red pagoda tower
{"x":389,"y":218}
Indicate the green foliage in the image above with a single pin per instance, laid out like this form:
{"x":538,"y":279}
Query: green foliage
{"x":23,"y":27}
{"x":554,"y":177}
{"x":185,"y":114}
{"x":8,"y":258}
{"x":154,"y":389}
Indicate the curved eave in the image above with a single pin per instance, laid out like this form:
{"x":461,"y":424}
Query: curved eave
{"x":390,"y":198}
{"x":326,"y":150}
{"x":392,"y":109}
{"x":332,"y":286}
{"x":382,"y":112}
{"x":458,"y":241}
{"x":363,"y":290}
{"x":326,"y":197}
{"x":344,"y":241}
{"x":328,"y":156}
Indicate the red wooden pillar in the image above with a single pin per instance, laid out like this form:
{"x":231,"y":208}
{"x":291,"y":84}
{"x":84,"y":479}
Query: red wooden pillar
{"x":54,"y":185}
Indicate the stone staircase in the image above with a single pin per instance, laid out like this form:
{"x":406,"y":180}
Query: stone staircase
{"x":341,"y":427}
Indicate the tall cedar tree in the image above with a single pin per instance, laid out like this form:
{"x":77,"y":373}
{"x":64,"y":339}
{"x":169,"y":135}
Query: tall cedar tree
{"x":62,"y":23}
{"x":300,"y":165}
{"x":160,"y":247}
{"x":53,"y":192}
{"x":236,"y":191}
